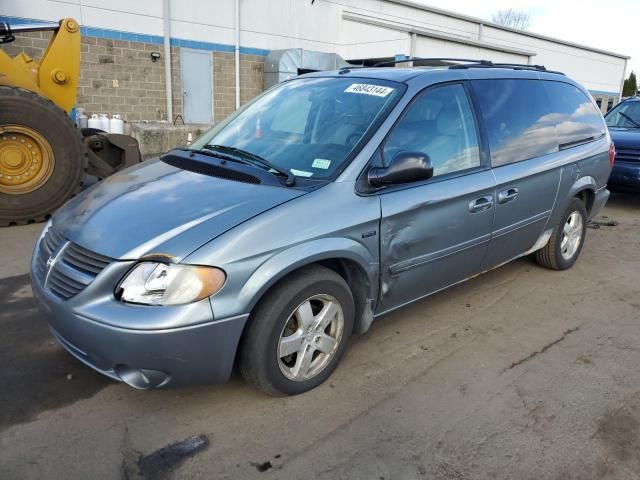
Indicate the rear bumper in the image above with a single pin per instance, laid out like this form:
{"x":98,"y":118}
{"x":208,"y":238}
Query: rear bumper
{"x":200,"y":353}
{"x":599,"y":202}
{"x":625,"y":175}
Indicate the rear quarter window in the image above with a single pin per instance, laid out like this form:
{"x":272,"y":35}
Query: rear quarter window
{"x":577,"y":119}
{"x":518,"y":118}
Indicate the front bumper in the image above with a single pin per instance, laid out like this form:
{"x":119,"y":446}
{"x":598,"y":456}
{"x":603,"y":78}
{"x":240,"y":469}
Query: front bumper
{"x":156,"y":351}
{"x":625,"y":175}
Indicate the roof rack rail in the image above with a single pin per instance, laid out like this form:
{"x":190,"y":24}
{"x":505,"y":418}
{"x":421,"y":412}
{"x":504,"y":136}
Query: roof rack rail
{"x":513,"y":66}
{"x":469,"y":63}
{"x":429,"y":59}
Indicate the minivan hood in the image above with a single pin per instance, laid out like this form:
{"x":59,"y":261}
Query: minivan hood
{"x":155,"y":208}
{"x":625,"y":137}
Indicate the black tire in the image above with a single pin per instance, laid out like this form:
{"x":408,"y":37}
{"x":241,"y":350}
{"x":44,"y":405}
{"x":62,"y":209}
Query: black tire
{"x":550,"y":256}
{"x":259,"y":363}
{"x":22,"y":107}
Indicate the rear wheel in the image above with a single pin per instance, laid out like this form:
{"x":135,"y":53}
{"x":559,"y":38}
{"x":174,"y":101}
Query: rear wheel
{"x":42,"y":157}
{"x":564,"y":246}
{"x":298,"y":333}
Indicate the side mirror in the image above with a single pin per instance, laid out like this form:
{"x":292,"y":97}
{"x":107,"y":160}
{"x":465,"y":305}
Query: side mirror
{"x":405,"y":167}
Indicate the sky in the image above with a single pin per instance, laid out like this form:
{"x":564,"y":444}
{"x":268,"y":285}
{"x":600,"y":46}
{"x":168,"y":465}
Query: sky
{"x":609,"y":25}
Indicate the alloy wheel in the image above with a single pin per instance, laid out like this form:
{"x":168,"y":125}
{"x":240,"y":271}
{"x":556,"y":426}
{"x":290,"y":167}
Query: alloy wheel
{"x":571,"y":235}
{"x":310,"y":337}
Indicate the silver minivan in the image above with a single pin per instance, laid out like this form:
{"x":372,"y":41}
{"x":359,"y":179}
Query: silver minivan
{"x":326,"y":202}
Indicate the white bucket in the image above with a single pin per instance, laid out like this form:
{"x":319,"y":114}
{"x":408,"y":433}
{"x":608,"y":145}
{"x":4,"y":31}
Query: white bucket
{"x":94,"y":122}
{"x":104,"y":122}
{"x":116,"y":125}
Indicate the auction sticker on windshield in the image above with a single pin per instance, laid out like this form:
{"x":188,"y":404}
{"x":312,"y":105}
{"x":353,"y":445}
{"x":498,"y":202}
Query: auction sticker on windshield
{"x":367,"y":89}
{"x":322,"y":163}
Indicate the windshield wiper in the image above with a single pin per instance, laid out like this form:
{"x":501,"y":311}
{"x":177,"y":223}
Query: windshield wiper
{"x":637,"y":125}
{"x":253,"y":159}
{"x":219,"y":155}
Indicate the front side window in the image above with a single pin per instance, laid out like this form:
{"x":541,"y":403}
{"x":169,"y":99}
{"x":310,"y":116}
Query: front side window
{"x":518,"y":119}
{"x":577,"y":119}
{"x":308,"y":126}
{"x":439,"y":123}
{"x":624,"y":115}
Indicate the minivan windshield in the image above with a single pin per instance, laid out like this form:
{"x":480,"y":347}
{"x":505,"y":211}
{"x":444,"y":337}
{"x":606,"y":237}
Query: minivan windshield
{"x":625,"y":114}
{"x":307,"y":126}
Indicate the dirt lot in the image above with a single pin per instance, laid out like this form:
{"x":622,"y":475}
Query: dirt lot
{"x":521,"y":373}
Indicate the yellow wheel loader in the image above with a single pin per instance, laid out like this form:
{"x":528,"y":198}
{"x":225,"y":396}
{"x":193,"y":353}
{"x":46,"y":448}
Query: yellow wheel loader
{"x":44,"y":158}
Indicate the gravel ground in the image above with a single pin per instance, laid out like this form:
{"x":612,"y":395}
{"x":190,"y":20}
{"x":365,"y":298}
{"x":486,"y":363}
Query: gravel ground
{"x":521,"y":373}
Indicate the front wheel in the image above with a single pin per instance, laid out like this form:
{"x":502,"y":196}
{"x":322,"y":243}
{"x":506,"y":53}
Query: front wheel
{"x":567,"y":239}
{"x":298,"y":333}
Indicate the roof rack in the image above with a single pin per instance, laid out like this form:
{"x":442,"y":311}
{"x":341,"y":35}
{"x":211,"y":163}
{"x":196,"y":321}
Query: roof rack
{"x":513,"y":66}
{"x":431,"y":59}
{"x":468,"y":63}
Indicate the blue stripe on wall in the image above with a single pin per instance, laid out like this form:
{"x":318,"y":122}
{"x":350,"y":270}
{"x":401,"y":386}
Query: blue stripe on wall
{"x":138,"y":37}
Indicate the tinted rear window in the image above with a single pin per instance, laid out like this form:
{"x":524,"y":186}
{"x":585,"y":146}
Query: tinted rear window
{"x":518,"y":119}
{"x":577,"y":119}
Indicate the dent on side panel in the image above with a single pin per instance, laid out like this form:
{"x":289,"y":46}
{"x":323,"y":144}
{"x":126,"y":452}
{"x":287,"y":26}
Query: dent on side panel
{"x":423,"y":277}
{"x":394,"y":236}
{"x":429,"y":238}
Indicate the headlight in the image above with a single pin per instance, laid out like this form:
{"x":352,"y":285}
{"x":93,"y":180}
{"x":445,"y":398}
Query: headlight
{"x":153,"y":283}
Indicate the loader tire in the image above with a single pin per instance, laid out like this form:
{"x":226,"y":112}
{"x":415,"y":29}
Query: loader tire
{"x":42,"y":157}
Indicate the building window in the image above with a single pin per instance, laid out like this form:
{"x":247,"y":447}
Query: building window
{"x":610,"y":104}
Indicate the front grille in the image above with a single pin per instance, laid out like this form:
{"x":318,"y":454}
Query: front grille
{"x":49,"y":244}
{"x":71,"y":268}
{"x":628,"y":154}
{"x":85,"y":260}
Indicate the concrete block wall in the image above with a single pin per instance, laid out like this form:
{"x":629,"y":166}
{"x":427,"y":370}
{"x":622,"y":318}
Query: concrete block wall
{"x":251,"y":76}
{"x":224,"y":93}
{"x":118,"y":76}
{"x":251,"y":82}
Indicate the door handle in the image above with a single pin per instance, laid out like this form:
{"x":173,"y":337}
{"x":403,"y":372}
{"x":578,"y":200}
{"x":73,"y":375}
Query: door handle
{"x":481,"y":204}
{"x":507,"y":195}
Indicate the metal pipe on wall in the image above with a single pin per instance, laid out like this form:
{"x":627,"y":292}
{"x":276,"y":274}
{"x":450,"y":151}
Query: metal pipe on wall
{"x":624,"y":73}
{"x":167,"y":59}
{"x":237,"y":50}
{"x":413,"y":40}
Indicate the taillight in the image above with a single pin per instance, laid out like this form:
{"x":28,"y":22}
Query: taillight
{"x":612,"y":154}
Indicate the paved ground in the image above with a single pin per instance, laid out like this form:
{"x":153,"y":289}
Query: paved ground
{"x":522,"y":373}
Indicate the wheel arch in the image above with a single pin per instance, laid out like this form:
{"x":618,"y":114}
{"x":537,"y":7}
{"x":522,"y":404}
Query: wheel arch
{"x":587,"y":195}
{"x":348,"y":258}
{"x":585,"y":189}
